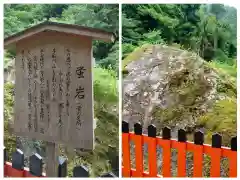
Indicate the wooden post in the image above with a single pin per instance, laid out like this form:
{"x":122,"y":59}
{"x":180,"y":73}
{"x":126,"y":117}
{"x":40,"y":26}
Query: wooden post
{"x":51,"y":159}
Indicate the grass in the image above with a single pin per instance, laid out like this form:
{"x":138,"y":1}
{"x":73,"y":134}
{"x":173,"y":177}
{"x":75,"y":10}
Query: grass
{"x":224,"y":68}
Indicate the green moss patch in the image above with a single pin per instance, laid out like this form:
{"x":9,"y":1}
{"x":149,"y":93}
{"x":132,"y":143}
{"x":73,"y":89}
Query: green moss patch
{"x":135,"y":55}
{"x":221,"y":119}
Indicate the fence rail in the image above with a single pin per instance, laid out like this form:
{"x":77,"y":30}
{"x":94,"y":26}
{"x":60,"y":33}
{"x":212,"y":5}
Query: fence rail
{"x":215,"y":151}
{"x":16,"y":167}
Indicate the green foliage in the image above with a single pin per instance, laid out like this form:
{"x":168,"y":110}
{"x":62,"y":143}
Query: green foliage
{"x":105,"y":86}
{"x":18,"y":16}
{"x":8,"y":101}
{"x":111,"y":61}
{"x":102,"y":16}
{"x":226,"y":69}
{"x":209,"y":30}
{"x":152,"y":37}
{"x":7,"y":59}
{"x":9,"y":139}
{"x":228,"y":75}
{"x":127,"y":48}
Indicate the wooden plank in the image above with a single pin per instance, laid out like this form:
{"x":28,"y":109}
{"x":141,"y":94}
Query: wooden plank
{"x":54,"y":89}
{"x":51,"y":159}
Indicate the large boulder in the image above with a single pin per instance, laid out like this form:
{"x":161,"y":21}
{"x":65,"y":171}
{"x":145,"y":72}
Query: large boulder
{"x":167,"y":86}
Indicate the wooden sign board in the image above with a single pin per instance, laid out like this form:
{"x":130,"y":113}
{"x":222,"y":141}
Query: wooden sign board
{"x":54,"y":89}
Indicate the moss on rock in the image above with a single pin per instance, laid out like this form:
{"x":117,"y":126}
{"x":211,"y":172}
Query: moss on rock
{"x":135,"y":55}
{"x":222,"y":118}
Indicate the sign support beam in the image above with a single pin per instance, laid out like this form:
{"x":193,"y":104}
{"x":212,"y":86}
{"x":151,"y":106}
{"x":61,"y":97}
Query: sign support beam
{"x":52,"y":152}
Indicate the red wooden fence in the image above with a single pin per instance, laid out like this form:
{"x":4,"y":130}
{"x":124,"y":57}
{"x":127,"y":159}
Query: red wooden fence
{"x":215,"y":151}
{"x":17,"y":169}
{"x":10,"y":171}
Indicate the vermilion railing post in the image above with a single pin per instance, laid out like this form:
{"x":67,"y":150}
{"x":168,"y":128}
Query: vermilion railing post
{"x":152,"y":150}
{"x":181,"y":148}
{"x":165,"y":143}
{"x":233,"y":159}
{"x":233,"y":164}
{"x":138,"y":140}
{"x":216,"y":154}
{"x":198,"y":154}
{"x":126,"y":161}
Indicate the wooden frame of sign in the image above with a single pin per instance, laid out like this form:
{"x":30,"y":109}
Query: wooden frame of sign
{"x":53,"y":85}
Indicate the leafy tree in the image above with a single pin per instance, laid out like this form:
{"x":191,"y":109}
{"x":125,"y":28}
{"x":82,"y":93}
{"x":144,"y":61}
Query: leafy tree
{"x":103,"y":16}
{"x":209,"y":30}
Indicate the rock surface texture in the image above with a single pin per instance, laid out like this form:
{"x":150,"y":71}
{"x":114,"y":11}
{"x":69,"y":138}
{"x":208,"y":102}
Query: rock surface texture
{"x":170,"y":87}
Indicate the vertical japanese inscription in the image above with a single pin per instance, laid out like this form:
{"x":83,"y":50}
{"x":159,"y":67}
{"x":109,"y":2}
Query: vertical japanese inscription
{"x":48,"y":114}
{"x":47,"y":104}
{"x":35,"y":107}
{"x":29,"y":66}
{"x":61,"y":85}
{"x":68,"y":80}
{"x":47,"y":90}
{"x":60,"y":108}
{"x":23,"y":61}
{"x":42,"y":101}
{"x":35,"y":68}
{"x":80,"y":95}
{"x":54,"y":80}
{"x":79,"y":113}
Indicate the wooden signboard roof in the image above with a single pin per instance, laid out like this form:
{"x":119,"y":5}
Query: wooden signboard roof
{"x":96,"y":34}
